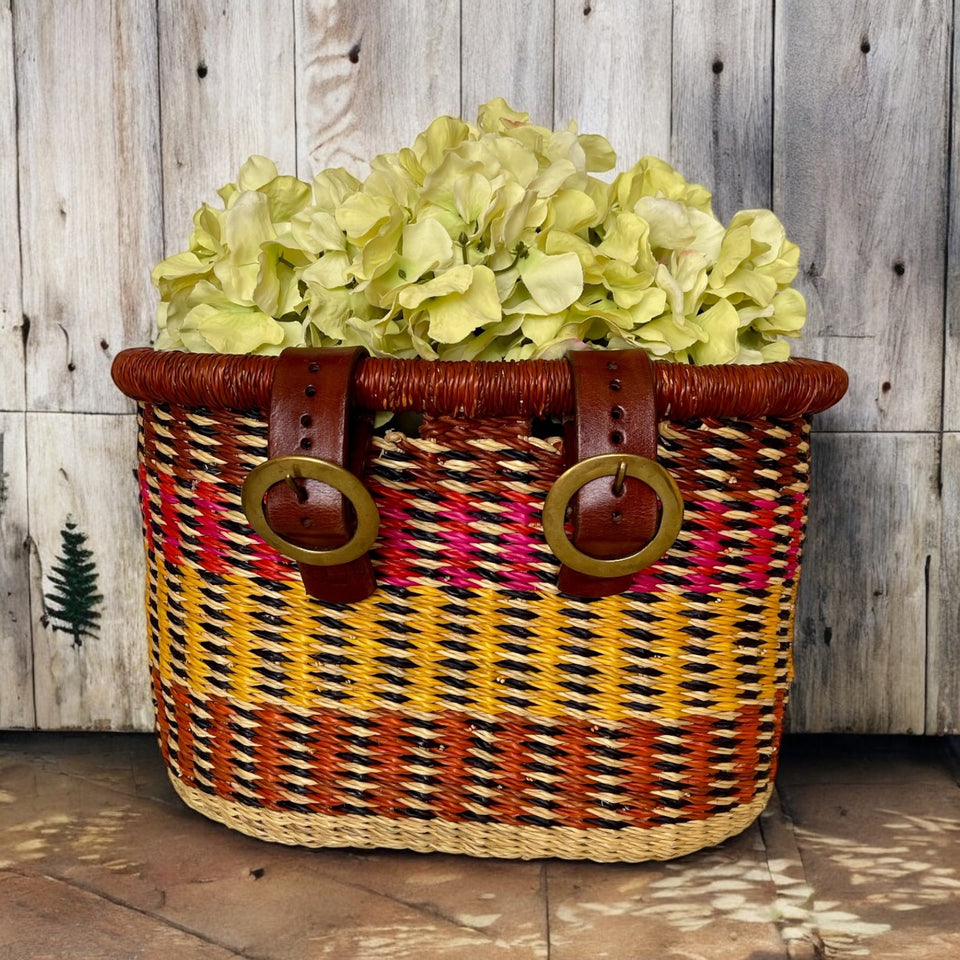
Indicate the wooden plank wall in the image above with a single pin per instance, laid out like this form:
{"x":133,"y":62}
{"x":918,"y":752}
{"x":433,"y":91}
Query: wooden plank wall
{"x":118,"y":119}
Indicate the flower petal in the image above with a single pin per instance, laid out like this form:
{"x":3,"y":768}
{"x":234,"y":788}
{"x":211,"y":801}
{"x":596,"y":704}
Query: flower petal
{"x":455,"y":316}
{"x":236,"y":329}
{"x":285,"y":197}
{"x":720,"y":325}
{"x":255,"y":172}
{"x":554,"y":282}
{"x":454,"y":280}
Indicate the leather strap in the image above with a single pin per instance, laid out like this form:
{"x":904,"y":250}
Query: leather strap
{"x":615,"y":412}
{"x":310,"y":415}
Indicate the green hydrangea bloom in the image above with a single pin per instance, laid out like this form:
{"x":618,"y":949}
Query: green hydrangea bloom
{"x":482,"y":241}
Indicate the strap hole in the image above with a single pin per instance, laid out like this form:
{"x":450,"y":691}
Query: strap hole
{"x":616,"y":413}
{"x":615,"y":385}
{"x":616,"y":437}
{"x":306,"y":522}
{"x":306,"y":420}
{"x":299,"y":491}
{"x":310,"y":391}
{"x":613,"y":365}
{"x":616,"y":516}
{"x":306,"y":443}
{"x":314,"y":368}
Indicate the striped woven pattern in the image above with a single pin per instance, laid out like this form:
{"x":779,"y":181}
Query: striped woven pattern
{"x":467,"y":706}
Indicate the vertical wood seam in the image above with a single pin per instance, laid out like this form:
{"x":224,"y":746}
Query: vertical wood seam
{"x":460,"y":62}
{"x":460,"y":57}
{"x":553,"y":71}
{"x":24,"y":319}
{"x":161,"y":172}
{"x":673,"y":83}
{"x":930,"y":620}
{"x":553,"y":65}
{"x":934,"y":640}
{"x":773,"y":103}
{"x":297,"y":160}
{"x":948,"y":225}
{"x":33,"y":559}
{"x":27,"y":545}
{"x":30,"y":547}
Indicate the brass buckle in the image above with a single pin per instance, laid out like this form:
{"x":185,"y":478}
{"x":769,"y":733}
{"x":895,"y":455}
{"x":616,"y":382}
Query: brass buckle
{"x":287,"y":469}
{"x":618,"y":466}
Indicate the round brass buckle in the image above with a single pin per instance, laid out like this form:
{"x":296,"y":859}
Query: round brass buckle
{"x":616,"y":466}
{"x":292,"y":468}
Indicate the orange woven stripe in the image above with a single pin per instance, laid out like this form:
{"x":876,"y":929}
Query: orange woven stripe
{"x":571,"y":773}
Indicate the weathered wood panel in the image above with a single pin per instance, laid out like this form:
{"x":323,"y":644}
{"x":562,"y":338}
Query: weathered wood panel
{"x":95,"y":679}
{"x":873,"y":530}
{"x":11,"y":342}
{"x":612,"y":73}
{"x":507,"y":52}
{"x":951,"y":379}
{"x":89,"y":189}
{"x":943,"y":661}
{"x":16,"y":655}
{"x":835,"y":114}
{"x":943,"y":666}
{"x":371,"y":76}
{"x":723,"y":100}
{"x":226,"y":92}
{"x":860,"y":147}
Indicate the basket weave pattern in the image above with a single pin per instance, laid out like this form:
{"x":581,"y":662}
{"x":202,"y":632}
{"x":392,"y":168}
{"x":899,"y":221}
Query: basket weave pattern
{"x":467,"y":706}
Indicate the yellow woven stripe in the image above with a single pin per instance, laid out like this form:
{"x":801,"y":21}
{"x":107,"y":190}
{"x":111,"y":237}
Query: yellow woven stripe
{"x":676,"y":663}
{"x":374,"y":660}
{"x":164,"y":640}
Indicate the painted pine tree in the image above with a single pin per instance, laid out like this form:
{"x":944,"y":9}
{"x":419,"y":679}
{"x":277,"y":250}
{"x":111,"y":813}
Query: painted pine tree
{"x":72,"y":605}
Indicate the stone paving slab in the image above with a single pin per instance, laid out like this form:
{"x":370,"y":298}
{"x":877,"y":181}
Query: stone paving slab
{"x":95,"y":830}
{"x":859,"y":856}
{"x":46,"y":919}
{"x":716,"y":904}
{"x":883,"y":857}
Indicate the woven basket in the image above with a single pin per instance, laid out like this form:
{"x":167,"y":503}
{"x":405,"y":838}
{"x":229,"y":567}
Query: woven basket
{"x":467,"y":706}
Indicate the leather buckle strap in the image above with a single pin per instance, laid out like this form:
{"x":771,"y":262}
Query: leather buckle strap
{"x":311,"y":416}
{"x":614,"y":514}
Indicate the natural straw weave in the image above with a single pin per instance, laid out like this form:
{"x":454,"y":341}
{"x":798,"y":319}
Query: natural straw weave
{"x":467,"y":706}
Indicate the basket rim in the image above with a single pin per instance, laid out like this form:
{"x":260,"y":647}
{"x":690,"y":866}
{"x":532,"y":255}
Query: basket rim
{"x":473,"y":389}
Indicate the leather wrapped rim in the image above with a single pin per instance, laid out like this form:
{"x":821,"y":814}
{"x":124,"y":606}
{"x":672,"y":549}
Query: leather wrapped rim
{"x":534,"y":388}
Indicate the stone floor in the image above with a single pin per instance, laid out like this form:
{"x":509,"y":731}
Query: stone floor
{"x":857,"y":856}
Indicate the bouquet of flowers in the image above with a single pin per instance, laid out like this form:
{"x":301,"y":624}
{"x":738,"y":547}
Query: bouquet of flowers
{"x":482,"y":242}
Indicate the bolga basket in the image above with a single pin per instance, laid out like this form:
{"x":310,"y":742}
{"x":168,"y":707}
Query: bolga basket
{"x":470,"y":703}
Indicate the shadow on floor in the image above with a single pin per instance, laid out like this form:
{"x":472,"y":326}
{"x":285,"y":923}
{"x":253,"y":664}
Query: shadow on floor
{"x":857,"y":856}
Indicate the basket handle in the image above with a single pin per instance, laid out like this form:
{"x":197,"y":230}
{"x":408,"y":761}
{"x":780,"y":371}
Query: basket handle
{"x":613,"y":481}
{"x":307,"y":499}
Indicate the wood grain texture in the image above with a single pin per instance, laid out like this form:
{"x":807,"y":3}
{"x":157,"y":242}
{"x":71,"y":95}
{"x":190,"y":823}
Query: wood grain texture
{"x":102,"y":684}
{"x":11,"y":341}
{"x":723,"y":100}
{"x":88,"y":172}
{"x":861,"y":623}
{"x":943,"y":654}
{"x":612,"y":73}
{"x":227,"y":91}
{"x":371,"y":76}
{"x":508,"y":53}
{"x":117,"y":120}
{"x":16,"y":656}
{"x":860,"y":147}
{"x":951,"y":378}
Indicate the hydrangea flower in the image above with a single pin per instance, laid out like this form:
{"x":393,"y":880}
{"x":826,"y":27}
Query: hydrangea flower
{"x":482,"y":241}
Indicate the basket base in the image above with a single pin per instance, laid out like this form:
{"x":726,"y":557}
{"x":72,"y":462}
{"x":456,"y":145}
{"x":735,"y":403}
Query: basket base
{"x":629,"y":845}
